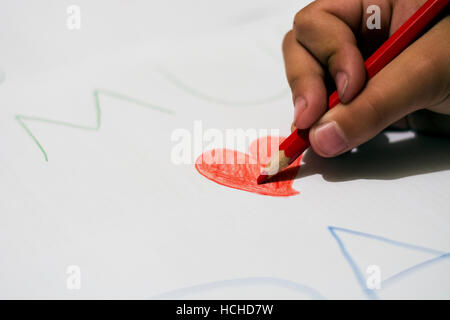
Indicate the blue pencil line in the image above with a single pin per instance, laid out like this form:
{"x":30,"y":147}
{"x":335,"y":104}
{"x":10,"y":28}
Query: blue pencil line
{"x":172,"y":78}
{"x":179,"y":293}
{"x":370,"y":293}
{"x":359,"y":276}
{"x":417,"y":267}
{"x":394,"y":242}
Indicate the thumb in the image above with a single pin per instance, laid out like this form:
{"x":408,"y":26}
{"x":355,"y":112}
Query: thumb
{"x":416,"y":79}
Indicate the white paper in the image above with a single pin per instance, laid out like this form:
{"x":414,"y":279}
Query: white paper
{"x":105,"y":196}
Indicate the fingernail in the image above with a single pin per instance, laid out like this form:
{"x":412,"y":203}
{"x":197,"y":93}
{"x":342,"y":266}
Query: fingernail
{"x":300,"y":107}
{"x":330,"y":139}
{"x":341,"y":84}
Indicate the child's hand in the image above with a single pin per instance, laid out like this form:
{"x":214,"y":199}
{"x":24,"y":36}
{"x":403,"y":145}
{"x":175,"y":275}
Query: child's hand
{"x":325,"y":38}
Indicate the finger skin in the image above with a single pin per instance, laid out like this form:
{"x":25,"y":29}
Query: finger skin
{"x":418,"y":78}
{"x":306,"y":79}
{"x":323,"y":38}
{"x":332,"y":42}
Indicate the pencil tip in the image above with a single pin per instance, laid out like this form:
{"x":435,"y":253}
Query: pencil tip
{"x":262,"y":178}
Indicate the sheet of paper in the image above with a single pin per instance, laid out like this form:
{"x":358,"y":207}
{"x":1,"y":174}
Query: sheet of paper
{"x":92,"y":204}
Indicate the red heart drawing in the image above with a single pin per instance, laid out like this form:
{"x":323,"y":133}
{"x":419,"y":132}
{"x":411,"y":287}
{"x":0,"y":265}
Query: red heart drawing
{"x":241,"y":173}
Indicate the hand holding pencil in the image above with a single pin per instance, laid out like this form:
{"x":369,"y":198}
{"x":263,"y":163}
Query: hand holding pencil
{"x":330,"y":38}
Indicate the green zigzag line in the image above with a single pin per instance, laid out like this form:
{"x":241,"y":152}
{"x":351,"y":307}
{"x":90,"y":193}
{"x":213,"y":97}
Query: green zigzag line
{"x":169,"y":76}
{"x":21,"y":119}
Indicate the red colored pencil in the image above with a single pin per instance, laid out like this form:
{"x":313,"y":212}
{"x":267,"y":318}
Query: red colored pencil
{"x":298,"y":141}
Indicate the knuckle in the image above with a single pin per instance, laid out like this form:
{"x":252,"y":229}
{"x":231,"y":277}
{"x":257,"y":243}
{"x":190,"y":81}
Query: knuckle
{"x":293,"y":80}
{"x":287,"y":39}
{"x":303,"y":20}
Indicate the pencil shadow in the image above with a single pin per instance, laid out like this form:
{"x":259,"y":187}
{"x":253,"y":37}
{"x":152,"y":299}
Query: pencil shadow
{"x":380,"y":159}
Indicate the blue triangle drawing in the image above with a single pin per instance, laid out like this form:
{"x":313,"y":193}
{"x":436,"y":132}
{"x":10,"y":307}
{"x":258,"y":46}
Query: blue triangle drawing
{"x":437,"y":256}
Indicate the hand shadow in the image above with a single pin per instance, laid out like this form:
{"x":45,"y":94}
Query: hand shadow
{"x":381,"y":159}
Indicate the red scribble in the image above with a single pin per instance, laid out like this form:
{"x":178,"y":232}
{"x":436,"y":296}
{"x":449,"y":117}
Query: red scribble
{"x":242,"y":174}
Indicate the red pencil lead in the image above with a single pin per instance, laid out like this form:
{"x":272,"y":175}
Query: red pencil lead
{"x":262,"y":178}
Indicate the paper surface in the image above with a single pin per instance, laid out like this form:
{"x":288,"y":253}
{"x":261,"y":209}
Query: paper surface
{"x":87,"y":180}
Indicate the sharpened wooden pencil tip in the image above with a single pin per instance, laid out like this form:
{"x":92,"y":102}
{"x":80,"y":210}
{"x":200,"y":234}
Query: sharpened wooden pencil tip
{"x":262,"y":179}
